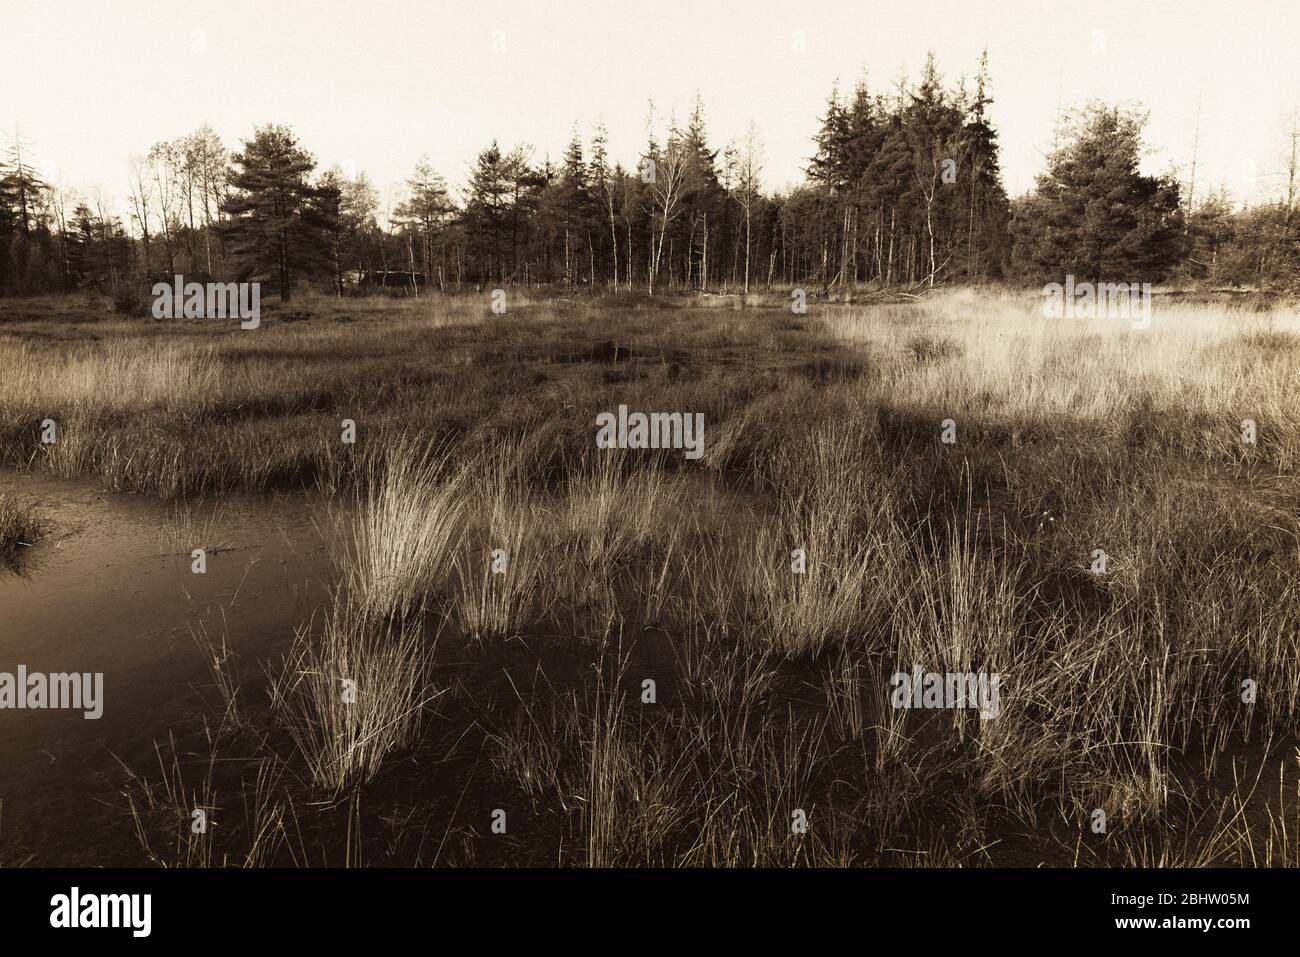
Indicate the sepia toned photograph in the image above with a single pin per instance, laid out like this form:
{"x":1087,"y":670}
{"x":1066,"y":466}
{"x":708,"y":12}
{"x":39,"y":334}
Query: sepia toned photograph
{"x":694,"y":435}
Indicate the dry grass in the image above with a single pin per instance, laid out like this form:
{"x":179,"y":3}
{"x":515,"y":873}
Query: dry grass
{"x":352,"y":694}
{"x":21,"y":523}
{"x":1120,"y":691}
{"x":357,"y":690}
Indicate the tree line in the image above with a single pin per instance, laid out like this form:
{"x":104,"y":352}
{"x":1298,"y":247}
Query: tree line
{"x":903,"y":189}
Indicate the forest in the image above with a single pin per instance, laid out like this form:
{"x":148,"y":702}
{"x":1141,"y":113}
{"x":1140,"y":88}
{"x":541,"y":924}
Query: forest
{"x":903,"y":189}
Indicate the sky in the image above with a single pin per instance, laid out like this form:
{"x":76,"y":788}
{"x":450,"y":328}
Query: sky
{"x":374,"y":86}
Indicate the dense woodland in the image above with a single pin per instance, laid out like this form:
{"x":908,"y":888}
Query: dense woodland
{"x":903,"y":189}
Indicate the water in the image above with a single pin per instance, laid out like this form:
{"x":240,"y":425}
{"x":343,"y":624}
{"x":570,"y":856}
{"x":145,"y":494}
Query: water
{"x":110,"y":589}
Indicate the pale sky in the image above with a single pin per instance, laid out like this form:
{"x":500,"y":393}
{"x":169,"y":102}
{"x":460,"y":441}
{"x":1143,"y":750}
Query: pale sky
{"x":373,"y":86}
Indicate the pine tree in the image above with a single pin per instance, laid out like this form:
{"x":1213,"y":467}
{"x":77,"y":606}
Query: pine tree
{"x":427,"y":209}
{"x":270,"y":231}
{"x":1093,"y":215}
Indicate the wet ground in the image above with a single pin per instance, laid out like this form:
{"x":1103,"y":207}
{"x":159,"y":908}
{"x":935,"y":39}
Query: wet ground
{"x":110,"y":588}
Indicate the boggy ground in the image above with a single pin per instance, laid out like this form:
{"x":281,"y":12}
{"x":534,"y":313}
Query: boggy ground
{"x":432,"y":693}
